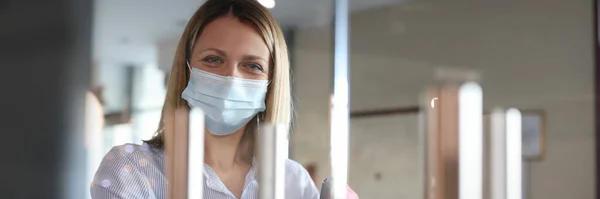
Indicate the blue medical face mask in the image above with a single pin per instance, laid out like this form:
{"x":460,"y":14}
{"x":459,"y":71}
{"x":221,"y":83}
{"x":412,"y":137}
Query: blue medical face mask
{"x":227,"y":102}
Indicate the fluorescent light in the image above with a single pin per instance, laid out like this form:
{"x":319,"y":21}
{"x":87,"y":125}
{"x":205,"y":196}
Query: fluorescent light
{"x":471,"y":141}
{"x":267,"y":3}
{"x":513,"y":154}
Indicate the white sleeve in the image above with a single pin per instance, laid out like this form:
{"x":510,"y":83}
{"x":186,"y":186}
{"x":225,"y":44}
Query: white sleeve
{"x":299,"y":184}
{"x":310,"y":190}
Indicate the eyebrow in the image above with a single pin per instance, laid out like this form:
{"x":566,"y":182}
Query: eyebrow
{"x":254,"y":57}
{"x":222,"y":53}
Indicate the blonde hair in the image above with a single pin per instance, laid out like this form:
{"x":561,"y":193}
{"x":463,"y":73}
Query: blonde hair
{"x":278,"y":99}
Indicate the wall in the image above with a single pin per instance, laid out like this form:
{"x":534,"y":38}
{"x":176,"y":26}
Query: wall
{"x":112,"y":78}
{"x":532,"y":54}
{"x":166,"y":52}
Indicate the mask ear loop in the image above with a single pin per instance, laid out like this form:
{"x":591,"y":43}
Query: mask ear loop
{"x":254,"y":162}
{"x":258,"y":122}
{"x":188,"y":65}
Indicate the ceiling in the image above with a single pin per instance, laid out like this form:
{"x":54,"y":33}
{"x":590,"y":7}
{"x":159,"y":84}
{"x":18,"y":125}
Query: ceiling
{"x":126,"y":32}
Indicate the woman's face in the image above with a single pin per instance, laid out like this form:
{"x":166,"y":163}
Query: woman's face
{"x":229,"y":47}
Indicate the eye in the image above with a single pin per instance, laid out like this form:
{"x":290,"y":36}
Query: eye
{"x":212,"y":60}
{"x":255,"y":67}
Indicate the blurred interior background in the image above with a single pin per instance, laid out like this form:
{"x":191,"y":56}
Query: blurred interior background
{"x":535,"y":55}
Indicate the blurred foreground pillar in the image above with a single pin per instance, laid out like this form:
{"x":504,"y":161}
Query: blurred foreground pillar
{"x":46,"y":59}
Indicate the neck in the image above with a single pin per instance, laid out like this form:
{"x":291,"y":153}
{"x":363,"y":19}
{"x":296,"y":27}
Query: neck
{"x":221,"y":152}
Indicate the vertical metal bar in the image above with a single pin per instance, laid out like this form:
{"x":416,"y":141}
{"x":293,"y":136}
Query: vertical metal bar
{"x":176,"y":148}
{"x":505,"y":162}
{"x":195,"y":157}
{"x":526,"y":179}
{"x":449,"y":105}
{"x":471,"y":141}
{"x":514,"y":155}
{"x":432,"y":179}
{"x":281,"y":155}
{"x":497,"y":155}
{"x":266,"y":168}
{"x":272,"y":153}
{"x":454,"y":142}
{"x":339,"y":102}
{"x":184,"y":146}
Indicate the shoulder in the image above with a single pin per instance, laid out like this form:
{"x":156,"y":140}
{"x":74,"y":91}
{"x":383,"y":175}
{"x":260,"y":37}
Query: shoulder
{"x":128,"y":170}
{"x":295,"y":169}
{"x":132,"y":155}
{"x":299,"y":182}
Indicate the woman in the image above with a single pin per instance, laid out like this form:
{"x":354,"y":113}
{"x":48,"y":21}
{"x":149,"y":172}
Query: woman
{"x":232,"y":63}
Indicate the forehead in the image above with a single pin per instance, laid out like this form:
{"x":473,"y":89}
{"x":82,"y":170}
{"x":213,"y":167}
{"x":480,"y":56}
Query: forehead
{"x":229,"y":34}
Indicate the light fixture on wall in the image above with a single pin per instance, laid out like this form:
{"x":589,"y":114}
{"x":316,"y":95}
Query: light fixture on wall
{"x":267,"y":3}
{"x":433,"y":102}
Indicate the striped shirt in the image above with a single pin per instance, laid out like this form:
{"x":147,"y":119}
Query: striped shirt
{"x":133,"y":171}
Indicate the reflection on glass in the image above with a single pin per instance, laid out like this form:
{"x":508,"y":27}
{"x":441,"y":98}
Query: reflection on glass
{"x":395,"y":49}
{"x":231,"y":62}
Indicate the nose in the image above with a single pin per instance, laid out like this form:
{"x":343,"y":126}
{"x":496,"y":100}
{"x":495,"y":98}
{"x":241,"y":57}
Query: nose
{"x":230,"y":69}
